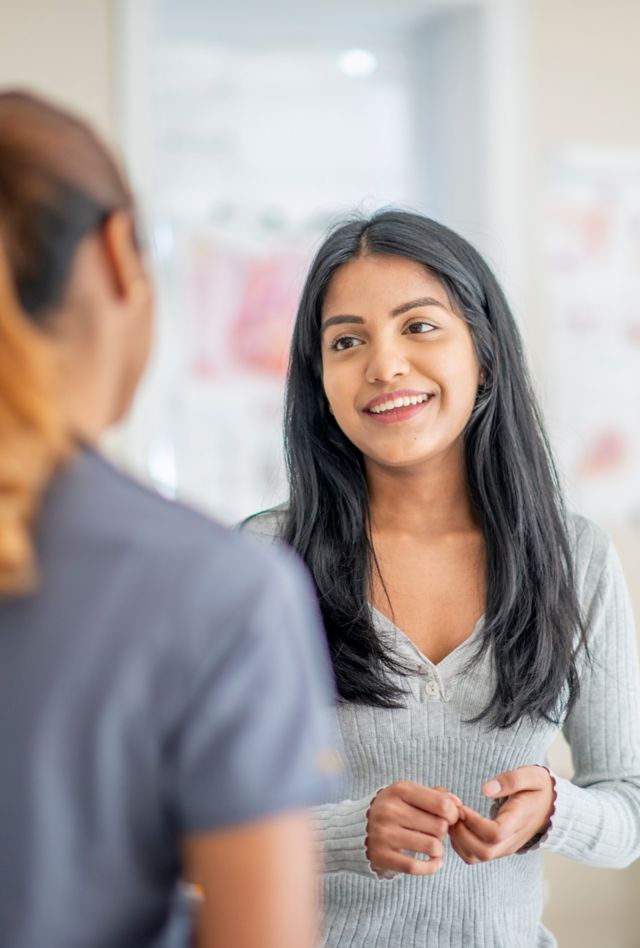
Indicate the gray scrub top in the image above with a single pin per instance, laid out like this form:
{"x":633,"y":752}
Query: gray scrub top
{"x":167,"y":677}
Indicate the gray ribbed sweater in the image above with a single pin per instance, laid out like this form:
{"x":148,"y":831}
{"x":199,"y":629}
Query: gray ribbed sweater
{"x":597,"y":814}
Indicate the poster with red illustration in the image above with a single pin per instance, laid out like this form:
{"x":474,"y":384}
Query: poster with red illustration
{"x":592,"y":258}
{"x":239,"y":304}
{"x":242,"y":307}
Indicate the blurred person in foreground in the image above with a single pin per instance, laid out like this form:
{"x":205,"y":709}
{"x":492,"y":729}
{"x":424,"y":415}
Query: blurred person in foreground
{"x":163,"y":687}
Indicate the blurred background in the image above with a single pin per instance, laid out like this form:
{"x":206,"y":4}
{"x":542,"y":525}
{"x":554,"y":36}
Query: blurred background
{"x":249,"y":126}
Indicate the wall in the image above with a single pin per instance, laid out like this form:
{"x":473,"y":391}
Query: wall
{"x":62,"y":49}
{"x":451,"y":111}
{"x":584,"y":71}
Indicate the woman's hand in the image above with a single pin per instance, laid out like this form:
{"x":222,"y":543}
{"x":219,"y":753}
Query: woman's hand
{"x":527,"y":794}
{"x":406,"y":818}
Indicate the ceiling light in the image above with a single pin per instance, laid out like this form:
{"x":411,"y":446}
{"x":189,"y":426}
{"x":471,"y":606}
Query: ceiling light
{"x":357,"y":63}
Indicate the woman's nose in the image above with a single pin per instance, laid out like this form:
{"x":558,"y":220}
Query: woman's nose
{"x":385,"y":363}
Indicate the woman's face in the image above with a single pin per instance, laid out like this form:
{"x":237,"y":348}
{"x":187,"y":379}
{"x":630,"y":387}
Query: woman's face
{"x":398,"y":364}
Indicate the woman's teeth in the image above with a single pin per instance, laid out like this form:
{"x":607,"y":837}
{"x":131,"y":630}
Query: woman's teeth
{"x":399,"y":403}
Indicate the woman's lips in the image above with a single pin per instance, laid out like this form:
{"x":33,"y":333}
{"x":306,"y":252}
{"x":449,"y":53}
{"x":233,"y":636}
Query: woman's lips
{"x":398,"y":414}
{"x":386,"y":399}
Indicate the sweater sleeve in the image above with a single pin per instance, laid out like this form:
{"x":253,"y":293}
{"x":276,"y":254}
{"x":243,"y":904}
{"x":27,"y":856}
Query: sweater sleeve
{"x":596,"y":819}
{"x":341,"y":831}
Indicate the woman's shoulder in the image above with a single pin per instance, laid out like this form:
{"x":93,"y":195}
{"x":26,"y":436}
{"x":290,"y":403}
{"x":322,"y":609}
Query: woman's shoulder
{"x":586,"y":537}
{"x":266,"y":524}
{"x":592,"y":549}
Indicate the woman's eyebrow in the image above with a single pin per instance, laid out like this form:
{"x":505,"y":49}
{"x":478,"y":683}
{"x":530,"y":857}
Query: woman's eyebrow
{"x":414,"y":304}
{"x":338,"y":320}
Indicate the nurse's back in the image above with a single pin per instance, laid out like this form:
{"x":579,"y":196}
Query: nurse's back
{"x":160,"y":700}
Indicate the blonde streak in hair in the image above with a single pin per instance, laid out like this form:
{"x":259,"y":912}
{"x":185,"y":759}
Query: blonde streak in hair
{"x":33,"y":440}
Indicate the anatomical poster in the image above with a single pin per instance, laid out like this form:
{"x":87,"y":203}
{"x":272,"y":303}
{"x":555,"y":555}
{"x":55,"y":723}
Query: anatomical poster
{"x":592,"y":265}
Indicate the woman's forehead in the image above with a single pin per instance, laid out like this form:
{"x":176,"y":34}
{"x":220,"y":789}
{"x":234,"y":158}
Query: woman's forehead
{"x":379,"y":282}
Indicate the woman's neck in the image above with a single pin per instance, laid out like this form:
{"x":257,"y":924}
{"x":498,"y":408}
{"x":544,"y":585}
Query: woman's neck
{"x":431,"y":499}
{"x":85,"y":392}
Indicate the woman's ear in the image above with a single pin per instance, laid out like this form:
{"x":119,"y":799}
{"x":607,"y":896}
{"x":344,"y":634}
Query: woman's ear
{"x":123,"y":256}
{"x":134,"y":295}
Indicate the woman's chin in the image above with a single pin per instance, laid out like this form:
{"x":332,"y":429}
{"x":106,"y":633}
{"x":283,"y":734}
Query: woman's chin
{"x":401,"y":460}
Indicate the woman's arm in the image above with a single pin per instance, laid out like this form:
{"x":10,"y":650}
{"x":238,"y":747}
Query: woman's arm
{"x":595,"y":817}
{"x":258,"y":884}
{"x":597,"y":814}
{"x":249,"y":745}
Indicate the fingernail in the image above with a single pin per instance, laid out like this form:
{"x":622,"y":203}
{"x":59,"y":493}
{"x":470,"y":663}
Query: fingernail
{"x":492,"y":788}
{"x":461,"y":814}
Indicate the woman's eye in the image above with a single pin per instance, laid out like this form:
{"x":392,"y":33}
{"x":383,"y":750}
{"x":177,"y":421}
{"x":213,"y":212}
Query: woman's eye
{"x":344,"y":342}
{"x":420,"y":327}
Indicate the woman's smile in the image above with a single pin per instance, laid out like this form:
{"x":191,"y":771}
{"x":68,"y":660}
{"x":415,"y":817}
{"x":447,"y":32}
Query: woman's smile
{"x":394,"y":408}
{"x":399,"y":368}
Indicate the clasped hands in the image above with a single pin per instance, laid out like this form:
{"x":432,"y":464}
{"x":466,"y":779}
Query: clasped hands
{"x":407,"y":818}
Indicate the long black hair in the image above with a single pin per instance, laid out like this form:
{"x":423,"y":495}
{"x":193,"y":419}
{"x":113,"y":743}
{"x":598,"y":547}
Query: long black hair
{"x":532,"y":613}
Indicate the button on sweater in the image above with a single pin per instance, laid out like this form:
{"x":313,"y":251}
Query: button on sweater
{"x":596,"y":818}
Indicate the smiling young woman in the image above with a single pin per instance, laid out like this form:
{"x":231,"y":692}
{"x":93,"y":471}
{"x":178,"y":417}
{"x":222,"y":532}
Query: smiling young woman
{"x":469,"y":617}
{"x":418,"y":350}
{"x":412,"y":347}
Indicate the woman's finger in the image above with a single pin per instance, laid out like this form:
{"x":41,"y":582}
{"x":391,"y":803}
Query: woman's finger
{"x":489,"y":831}
{"x":453,"y":796}
{"x":514,"y":781}
{"x":436,"y":802}
{"x":417,"y":842}
{"x":411,"y":818}
{"x":472,"y":848}
{"x":398,"y":862}
{"x":457,"y":844}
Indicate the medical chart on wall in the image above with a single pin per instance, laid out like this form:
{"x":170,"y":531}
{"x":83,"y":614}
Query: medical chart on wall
{"x":240,"y":303}
{"x":257,"y":151}
{"x":592,"y":266}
